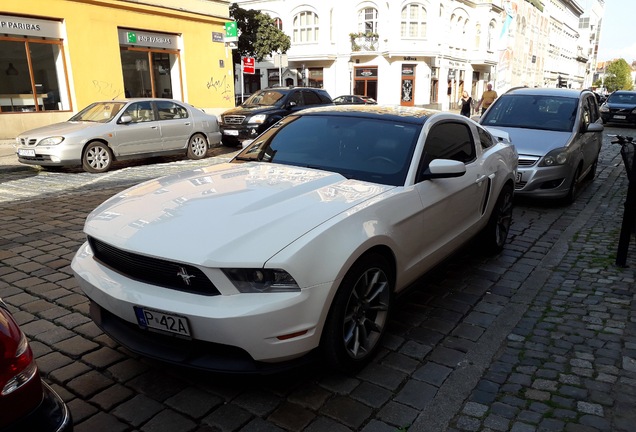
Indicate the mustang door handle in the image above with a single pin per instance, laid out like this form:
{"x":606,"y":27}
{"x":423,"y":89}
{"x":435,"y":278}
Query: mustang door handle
{"x":187,"y":123}
{"x":153,"y":127}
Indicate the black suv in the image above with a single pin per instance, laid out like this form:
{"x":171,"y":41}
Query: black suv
{"x":266,"y":107}
{"x":620,"y":107}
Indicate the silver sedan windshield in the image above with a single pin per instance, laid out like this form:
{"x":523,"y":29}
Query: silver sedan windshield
{"x":100,"y":112}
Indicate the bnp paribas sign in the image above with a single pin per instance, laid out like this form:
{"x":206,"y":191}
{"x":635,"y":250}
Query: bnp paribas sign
{"x":147,"y":39}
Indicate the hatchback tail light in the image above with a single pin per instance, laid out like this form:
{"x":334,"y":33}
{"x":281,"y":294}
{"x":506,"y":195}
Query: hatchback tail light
{"x":20,"y":384}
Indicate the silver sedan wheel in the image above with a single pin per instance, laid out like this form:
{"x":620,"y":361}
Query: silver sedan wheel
{"x":97,"y":158}
{"x":197,"y":147}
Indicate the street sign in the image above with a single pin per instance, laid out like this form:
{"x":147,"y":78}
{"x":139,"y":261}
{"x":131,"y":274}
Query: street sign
{"x":231,"y":32}
{"x":248,"y":65}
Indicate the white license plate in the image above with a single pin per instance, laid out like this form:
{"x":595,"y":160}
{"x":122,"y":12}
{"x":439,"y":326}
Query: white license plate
{"x":26,"y":152}
{"x":166,"y":322}
{"x":620,"y":117}
{"x":518,"y":179}
{"x":231,"y":132}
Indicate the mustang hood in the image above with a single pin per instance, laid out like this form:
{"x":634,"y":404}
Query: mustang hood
{"x":536,"y":142}
{"x":225,"y":214}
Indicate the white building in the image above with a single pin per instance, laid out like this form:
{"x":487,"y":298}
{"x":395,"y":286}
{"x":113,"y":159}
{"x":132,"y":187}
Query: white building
{"x":422,"y":52}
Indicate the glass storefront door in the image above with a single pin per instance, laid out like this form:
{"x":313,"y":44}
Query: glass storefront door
{"x":151,"y":73}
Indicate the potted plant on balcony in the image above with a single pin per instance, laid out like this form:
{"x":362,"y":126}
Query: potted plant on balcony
{"x":366,"y":40}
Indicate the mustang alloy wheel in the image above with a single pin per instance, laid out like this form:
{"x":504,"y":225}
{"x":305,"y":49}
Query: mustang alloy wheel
{"x":359,"y":314}
{"x":496,"y":232}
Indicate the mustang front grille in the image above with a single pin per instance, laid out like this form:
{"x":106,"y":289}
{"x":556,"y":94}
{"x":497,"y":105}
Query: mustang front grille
{"x":154,"y":271}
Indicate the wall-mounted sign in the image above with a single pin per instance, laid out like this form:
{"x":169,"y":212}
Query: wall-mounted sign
{"x":217,"y":37}
{"x":410,"y":58}
{"x":30,"y":27}
{"x":147,"y":39}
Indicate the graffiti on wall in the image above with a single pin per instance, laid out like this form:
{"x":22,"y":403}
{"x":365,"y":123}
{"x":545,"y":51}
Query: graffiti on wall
{"x":107,"y":89}
{"x":220,"y":86}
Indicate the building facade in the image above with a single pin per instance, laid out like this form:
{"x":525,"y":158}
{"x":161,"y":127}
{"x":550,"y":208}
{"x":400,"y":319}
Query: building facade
{"x":425,"y":52}
{"x":58,"y":56}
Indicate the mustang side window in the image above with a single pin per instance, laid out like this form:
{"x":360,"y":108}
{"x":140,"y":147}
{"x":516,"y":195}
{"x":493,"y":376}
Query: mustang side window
{"x":449,"y":141}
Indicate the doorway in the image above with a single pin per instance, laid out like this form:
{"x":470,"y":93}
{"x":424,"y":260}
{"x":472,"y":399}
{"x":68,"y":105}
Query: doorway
{"x":407,"y":89}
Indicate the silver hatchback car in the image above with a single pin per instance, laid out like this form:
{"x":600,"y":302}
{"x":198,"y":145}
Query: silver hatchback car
{"x":557,"y":133}
{"x":120,"y":129}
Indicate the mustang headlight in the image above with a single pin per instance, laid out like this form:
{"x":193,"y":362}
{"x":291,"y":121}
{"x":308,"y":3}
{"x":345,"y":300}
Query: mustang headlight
{"x":259,"y":118}
{"x":261,"y":280}
{"x":555,"y":157}
{"x":50,"y":141}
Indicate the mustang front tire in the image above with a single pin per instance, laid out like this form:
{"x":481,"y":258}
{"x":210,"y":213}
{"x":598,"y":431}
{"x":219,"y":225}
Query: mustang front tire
{"x":359,"y":314}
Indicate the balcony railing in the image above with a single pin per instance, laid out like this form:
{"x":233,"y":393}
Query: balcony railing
{"x":364,"y":41}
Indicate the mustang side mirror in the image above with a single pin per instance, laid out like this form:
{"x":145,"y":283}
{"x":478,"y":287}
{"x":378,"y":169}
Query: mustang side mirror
{"x":444,"y":168}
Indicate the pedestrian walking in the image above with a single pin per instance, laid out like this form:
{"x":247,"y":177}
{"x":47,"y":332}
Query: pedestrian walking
{"x":487,"y":98}
{"x":466,"y":103}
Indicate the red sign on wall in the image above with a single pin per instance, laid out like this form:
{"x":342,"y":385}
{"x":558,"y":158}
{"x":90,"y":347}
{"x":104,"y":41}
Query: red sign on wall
{"x":248,"y":65}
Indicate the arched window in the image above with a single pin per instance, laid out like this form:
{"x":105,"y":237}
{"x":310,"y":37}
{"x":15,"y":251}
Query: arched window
{"x":368,"y":20}
{"x":413,"y":21}
{"x":491,"y":36}
{"x":278,"y":23}
{"x":477,"y":36}
{"x":305,"y":27}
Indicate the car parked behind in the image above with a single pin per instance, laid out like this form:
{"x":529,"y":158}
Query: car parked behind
{"x":266,"y":107}
{"x":27,"y":404}
{"x":557,"y":133}
{"x":620,"y":107}
{"x":354,"y":99}
{"x":335,"y":210}
{"x":120,"y":129}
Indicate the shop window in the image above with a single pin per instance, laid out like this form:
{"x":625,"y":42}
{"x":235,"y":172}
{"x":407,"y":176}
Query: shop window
{"x":413,"y":21}
{"x":149,"y":73}
{"x":315,"y":77}
{"x":40,"y":87}
{"x":305,"y":27}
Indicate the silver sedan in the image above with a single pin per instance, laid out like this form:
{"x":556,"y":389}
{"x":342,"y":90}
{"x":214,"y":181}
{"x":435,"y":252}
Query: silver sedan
{"x":120,"y":129}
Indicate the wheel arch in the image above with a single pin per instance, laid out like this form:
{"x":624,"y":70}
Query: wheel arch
{"x":99,"y":140}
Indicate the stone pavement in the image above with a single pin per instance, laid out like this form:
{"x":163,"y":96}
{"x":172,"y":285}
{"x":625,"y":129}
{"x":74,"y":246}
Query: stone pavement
{"x":539,"y":338}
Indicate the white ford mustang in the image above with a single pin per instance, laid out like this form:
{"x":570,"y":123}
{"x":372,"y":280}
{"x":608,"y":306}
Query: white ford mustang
{"x":298,"y":244}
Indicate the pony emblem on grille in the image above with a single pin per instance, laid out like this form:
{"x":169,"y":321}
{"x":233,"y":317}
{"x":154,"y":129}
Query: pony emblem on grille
{"x":185,"y":276}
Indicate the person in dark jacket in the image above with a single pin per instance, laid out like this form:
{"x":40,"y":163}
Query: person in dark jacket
{"x":466,"y":104}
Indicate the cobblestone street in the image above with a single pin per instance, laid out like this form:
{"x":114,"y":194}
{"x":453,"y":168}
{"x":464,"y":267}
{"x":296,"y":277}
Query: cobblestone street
{"x":539,"y":338}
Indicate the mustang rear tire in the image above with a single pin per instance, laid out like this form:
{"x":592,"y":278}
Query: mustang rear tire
{"x":359,"y":314}
{"x":495,"y":233}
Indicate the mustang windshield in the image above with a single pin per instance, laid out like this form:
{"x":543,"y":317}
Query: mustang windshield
{"x":100,"y":112}
{"x":360,"y":148}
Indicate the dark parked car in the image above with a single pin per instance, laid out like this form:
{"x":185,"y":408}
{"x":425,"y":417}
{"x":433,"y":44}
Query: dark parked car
{"x":266,"y":107}
{"x":620,"y":107}
{"x":354,"y":99}
{"x":26,"y":402}
{"x":557,"y":133}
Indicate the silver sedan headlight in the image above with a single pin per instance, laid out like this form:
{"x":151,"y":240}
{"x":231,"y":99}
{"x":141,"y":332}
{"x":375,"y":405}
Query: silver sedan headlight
{"x":261,"y":280}
{"x":555,"y":157}
{"x":51,"y":141}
